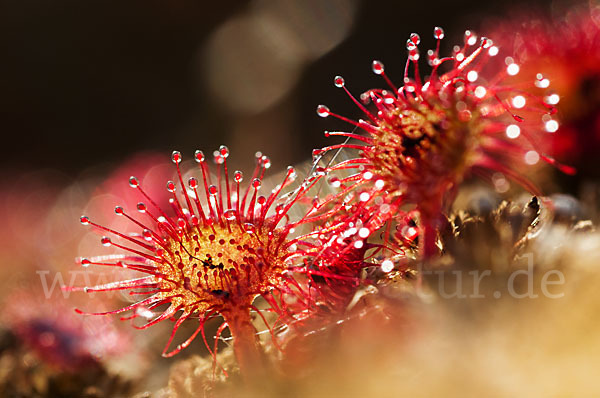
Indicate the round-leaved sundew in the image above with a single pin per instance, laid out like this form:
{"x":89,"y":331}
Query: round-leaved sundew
{"x":562,"y":49}
{"x":424,"y":137}
{"x":216,"y":249}
{"x":334,"y":252}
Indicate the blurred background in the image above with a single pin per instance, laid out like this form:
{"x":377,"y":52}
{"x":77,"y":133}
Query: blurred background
{"x":91,"y":83}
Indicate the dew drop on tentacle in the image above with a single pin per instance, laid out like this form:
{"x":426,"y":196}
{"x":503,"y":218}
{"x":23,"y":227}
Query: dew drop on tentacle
{"x":266,"y":162}
{"x":438,"y":33}
{"x":218,"y":158}
{"x":486,"y":43}
{"x":147,"y":234}
{"x":193,"y":182}
{"x":470,"y":38}
{"x":552,"y":99}
{"x":170,"y":186}
{"x":541,"y":81}
{"x":176,"y":157}
{"x":85,"y":220}
{"x":432,"y":58}
{"x":256,"y":183}
{"x":472,"y":76}
{"x":364,"y":232}
{"x":365,"y":98}
{"x":230,"y":214}
{"x":377,"y":67}
{"x":414,"y":54}
{"x":291,"y":173}
{"x":512,"y":69}
{"x":323,"y":111}
{"x":518,"y":101}
{"x":238,"y":176}
{"x":279,"y":209}
{"x":134,"y":182}
{"x":249,"y":228}
{"x":415,"y":39}
{"x":334,"y":182}
{"x":339,"y":82}
{"x":85,"y":262}
{"x":141,"y":207}
{"x":513,"y":131}
{"x":387,"y":265}
{"x":119,"y":211}
{"x":105,"y":240}
{"x":551,"y":126}
{"x":224,"y":151}
{"x":212,"y":190}
{"x":199,"y":156}
{"x":321,"y":171}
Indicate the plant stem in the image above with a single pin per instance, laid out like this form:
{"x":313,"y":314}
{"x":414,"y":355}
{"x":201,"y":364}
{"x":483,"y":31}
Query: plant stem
{"x":246,"y":346}
{"x":427,"y":238}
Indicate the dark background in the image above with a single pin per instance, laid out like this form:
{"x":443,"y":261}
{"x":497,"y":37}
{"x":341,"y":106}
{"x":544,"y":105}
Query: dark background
{"x":87,"y":83}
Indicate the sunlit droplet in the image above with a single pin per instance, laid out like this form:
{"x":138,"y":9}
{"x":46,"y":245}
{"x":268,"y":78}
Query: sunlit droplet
{"x":133,"y":182}
{"x":171,"y":186}
{"x":472,"y":76}
{"x":238,"y":176}
{"x":518,"y":101}
{"x":147,"y":234}
{"x":513,"y":131}
{"x":176,"y":157}
{"x":532,"y":157}
{"x":512,"y":69}
{"x":552,"y":99}
{"x":387,"y":266}
{"x":364,"y":232}
{"x":480,"y":92}
{"x":377,"y":67}
{"x":322,"y":111}
{"x":230,"y":214}
{"x":470,"y":38}
{"x":224,"y":151}
{"x":551,"y":126}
